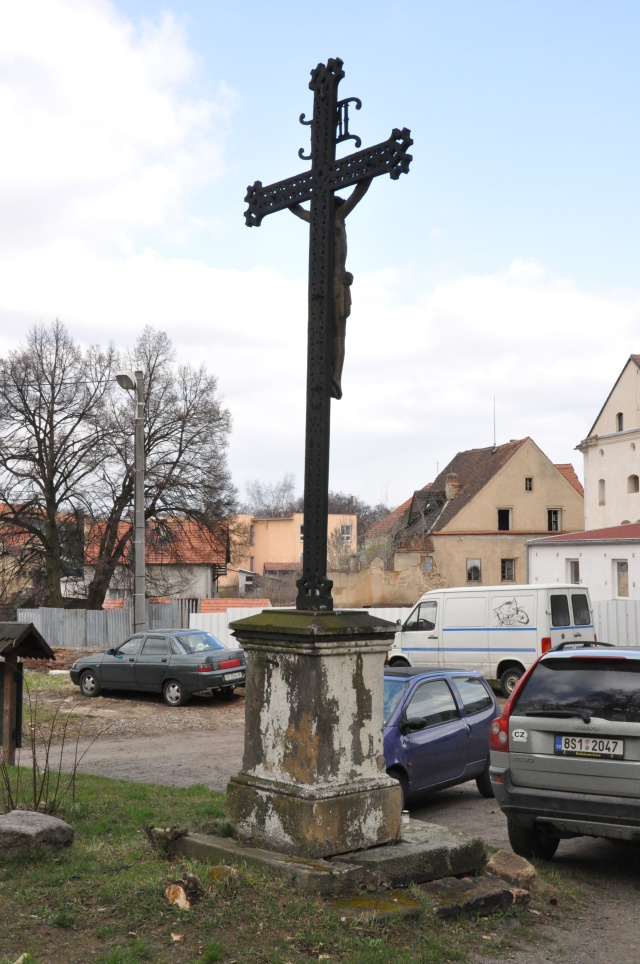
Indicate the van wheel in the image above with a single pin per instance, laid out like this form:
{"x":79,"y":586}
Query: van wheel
{"x":531,"y":841}
{"x":510,"y":679}
{"x":399,"y":662}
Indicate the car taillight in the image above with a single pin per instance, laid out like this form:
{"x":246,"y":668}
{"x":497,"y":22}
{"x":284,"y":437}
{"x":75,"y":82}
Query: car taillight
{"x":499,"y":733}
{"x":499,"y":729}
{"x":546,"y":644}
{"x":230,"y":663}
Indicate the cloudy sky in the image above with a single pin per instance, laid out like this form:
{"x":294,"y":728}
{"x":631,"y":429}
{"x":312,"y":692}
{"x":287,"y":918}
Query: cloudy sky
{"x":503,"y":266}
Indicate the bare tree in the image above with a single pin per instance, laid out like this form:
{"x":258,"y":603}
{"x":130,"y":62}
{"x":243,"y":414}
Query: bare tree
{"x":272,"y":500}
{"x":52,"y":427}
{"x":66,"y":455}
{"x":186,"y":432}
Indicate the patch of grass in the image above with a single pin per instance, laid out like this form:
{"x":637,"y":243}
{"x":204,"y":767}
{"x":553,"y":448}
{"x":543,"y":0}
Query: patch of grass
{"x":103,"y":899}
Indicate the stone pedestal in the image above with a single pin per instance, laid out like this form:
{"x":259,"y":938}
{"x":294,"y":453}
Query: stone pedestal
{"x":313,"y":780}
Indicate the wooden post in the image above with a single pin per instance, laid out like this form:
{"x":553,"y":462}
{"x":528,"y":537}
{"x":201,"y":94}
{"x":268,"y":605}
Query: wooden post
{"x":9,"y":707}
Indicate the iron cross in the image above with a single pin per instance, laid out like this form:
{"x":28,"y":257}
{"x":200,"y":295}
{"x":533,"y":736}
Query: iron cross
{"x":329,"y":127}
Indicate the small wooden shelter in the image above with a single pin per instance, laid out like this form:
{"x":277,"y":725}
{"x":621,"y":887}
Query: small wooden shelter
{"x":17,"y":641}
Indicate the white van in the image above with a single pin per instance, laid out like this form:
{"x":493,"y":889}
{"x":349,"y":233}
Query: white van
{"x":496,"y":630}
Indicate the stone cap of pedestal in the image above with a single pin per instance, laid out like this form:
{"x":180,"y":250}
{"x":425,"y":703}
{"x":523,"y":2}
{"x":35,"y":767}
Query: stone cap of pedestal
{"x":314,"y":633}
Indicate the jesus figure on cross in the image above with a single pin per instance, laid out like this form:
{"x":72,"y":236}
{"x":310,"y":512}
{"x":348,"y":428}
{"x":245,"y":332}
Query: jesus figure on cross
{"x":342,"y":279}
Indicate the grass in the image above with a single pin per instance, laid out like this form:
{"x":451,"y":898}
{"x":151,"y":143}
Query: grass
{"x":103,"y":899}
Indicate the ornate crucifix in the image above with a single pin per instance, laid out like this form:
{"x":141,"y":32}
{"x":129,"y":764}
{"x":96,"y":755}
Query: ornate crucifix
{"x":329,"y":297}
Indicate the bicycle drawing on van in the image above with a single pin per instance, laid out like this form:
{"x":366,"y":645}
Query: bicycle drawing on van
{"x":511,"y":614}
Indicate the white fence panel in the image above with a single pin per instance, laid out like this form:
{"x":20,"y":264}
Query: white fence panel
{"x":218,"y":623}
{"x":617,"y":621}
{"x":392,"y":614}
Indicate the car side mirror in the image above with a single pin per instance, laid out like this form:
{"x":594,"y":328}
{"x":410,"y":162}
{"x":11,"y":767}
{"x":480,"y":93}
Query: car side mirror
{"x":410,"y":726}
{"x":111,"y":652}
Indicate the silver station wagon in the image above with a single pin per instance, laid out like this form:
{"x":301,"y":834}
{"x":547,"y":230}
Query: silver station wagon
{"x":174,"y":662}
{"x":565,"y":754}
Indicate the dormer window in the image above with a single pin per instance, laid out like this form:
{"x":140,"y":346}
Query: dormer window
{"x":619,"y":422}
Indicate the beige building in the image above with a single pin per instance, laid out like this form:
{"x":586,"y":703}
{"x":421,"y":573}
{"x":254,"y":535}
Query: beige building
{"x":611,"y":453}
{"x":472,"y":524}
{"x":276,"y":544}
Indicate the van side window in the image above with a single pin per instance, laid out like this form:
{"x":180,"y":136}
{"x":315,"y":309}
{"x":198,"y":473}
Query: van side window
{"x":581,"y":614}
{"x":432,"y":702}
{"x":474,"y":696}
{"x":423,"y":617}
{"x":560,"y":611}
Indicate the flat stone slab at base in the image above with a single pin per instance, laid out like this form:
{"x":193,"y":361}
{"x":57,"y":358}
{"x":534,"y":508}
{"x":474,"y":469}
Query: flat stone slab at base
{"x":473,"y":895}
{"x":373,"y":907}
{"x":25,"y":832}
{"x":426,"y":852}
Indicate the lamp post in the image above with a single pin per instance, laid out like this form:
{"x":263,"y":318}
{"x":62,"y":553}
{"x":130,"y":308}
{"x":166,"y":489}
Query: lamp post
{"x":134,"y":382}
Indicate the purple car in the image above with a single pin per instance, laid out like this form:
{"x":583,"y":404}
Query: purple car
{"x":436,"y":728}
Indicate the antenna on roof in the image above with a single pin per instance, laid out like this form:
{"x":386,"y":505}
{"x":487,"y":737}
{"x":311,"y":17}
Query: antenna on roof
{"x":495,"y":444}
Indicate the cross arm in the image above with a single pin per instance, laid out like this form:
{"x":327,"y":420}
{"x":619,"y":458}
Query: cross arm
{"x":389,"y":157}
{"x":276,"y":197}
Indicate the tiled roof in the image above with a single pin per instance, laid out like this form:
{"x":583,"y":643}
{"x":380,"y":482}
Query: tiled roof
{"x":627,"y":533}
{"x":222,"y":604}
{"x":384,"y":526}
{"x":569,"y":473}
{"x":283,"y":567}
{"x":176,"y":542}
{"x":431,"y":510}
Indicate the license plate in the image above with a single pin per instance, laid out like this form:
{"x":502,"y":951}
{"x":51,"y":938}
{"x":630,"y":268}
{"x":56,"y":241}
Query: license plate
{"x":600,"y":747}
{"x":228,"y":677}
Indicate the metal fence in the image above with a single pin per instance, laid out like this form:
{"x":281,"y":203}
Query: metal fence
{"x":100,"y":628}
{"x":615,"y":620}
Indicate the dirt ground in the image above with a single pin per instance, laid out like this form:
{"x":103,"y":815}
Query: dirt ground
{"x":202,"y":743}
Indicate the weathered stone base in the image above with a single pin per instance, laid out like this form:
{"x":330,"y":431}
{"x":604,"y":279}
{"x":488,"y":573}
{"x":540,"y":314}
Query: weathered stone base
{"x":427,"y":852}
{"x":315,"y":821}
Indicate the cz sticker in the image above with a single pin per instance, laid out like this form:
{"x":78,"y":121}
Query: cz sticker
{"x":520,"y":736}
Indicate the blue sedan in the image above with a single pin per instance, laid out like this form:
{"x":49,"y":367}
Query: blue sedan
{"x":436,"y":728}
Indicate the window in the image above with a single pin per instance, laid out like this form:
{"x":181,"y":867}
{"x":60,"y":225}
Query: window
{"x":301,"y":533}
{"x":633,"y":484}
{"x":581,"y":611}
{"x":252,"y":535}
{"x":345,"y":533}
{"x":508,"y":570}
{"x":528,"y":484}
{"x":560,"y":610}
{"x":432,"y":703}
{"x":619,"y":422}
{"x":423,"y":617}
{"x":622,"y":577}
{"x":553,"y":520}
{"x":601,"y":492}
{"x":474,"y":696}
{"x":573,"y":569}
{"x":504,"y":519}
{"x":131,"y":647}
{"x":473,"y":570}
{"x":155,"y":646}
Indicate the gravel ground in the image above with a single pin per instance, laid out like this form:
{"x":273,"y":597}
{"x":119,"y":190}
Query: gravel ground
{"x":202,"y":742}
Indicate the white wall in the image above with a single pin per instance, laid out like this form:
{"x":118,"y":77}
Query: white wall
{"x":549,"y":564}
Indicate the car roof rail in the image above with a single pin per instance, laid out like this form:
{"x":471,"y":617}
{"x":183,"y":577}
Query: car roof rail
{"x":580,"y":644}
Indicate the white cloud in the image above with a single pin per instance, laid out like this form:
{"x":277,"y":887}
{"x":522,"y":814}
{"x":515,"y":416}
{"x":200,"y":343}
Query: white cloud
{"x":101,"y":136}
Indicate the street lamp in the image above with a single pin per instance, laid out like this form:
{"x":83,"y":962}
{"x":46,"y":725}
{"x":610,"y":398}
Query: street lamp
{"x":134,"y":382}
